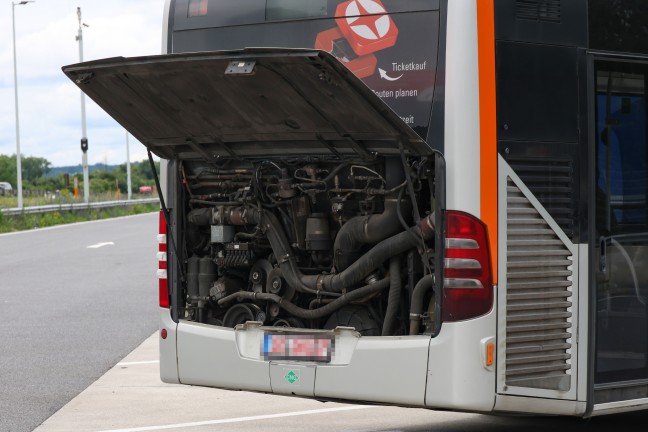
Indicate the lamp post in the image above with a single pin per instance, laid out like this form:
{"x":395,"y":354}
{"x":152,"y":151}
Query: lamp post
{"x":128,"y":169}
{"x":18,"y":156}
{"x":84,"y":138}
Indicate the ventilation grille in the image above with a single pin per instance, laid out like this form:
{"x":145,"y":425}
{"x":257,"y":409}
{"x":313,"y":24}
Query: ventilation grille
{"x":538,"y":299}
{"x":539,"y":10}
{"x":551,"y":181}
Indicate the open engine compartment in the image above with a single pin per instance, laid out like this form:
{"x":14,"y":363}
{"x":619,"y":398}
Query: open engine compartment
{"x":310,"y":242}
{"x":299,"y":198}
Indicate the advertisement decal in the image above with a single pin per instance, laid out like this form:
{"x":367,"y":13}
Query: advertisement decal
{"x":392,"y":59}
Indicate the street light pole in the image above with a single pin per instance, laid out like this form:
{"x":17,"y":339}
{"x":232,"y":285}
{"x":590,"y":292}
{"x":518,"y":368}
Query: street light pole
{"x":128,"y":169}
{"x":84,"y":138}
{"x":18,"y":155}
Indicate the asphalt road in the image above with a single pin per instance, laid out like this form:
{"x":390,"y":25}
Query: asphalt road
{"x":79,"y":324}
{"x":74,"y":300}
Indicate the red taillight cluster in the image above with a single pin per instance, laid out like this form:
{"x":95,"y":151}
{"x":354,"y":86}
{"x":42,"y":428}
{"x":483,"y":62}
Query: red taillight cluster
{"x":468,"y":286}
{"x":162,"y":262}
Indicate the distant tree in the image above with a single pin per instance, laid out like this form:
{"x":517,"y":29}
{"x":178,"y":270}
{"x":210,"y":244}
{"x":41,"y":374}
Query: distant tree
{"x":35,"y":170}
{"x":35,"y":167}
{"x":46,"y":183}
{"x":8,"y":169}
{"x":141,"y":175}
{"x":103,"y":181}
{"x":143,"y":169}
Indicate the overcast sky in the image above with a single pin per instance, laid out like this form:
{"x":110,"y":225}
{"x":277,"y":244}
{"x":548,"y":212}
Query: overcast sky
{"x":49,"y":103}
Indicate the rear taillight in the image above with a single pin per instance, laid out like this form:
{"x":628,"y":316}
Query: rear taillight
{"x":468,"y":287}
{"x":162,"y":262}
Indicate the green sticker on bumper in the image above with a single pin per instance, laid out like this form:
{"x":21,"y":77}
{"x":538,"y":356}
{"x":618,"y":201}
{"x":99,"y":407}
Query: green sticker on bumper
{"x":291,"y":377}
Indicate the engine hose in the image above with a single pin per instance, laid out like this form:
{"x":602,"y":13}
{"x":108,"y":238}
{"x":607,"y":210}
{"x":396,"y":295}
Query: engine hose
{"x":299,"y":312}
{"x":331,"y":284}
{"x":362,"y":230}
{"x":416,"y":308}
{"x":336,"y":170}
{"x":337,"y":283}
{"x":393,"y":301}
{"x":371,"y":260}
{"x":283,"y":252}
{"x":371,"y":229}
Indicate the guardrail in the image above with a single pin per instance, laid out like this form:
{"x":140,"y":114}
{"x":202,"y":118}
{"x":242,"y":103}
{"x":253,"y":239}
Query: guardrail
{"x":76,"y":206}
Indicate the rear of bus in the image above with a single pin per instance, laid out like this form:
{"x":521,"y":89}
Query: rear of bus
{"x":399,"y":205}
{"x":334,"y":208}
{"x":423,"y":335}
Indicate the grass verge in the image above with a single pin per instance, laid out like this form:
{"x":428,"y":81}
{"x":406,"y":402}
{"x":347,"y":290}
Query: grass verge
{"x":24,"y":222}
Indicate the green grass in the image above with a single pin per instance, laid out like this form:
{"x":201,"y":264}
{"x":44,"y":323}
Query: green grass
{"x":24,"y":222}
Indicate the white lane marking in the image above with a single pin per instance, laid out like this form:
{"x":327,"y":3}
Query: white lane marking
{"x":137,"y":362}
{"x":98,"y":245}
{"x":241,"y":419}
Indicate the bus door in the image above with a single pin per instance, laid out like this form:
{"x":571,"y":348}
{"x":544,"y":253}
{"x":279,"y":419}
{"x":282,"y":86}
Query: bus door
{"x":621,"y":231}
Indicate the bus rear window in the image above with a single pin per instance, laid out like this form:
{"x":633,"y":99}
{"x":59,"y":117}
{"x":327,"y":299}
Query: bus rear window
{"x":199,"y":14}
{"x":295,"y":9}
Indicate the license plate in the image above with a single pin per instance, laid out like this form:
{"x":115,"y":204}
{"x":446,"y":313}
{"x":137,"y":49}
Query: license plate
{"x":304,"y":347}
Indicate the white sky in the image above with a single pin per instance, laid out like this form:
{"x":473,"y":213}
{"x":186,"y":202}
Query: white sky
{"x":49,"y":103}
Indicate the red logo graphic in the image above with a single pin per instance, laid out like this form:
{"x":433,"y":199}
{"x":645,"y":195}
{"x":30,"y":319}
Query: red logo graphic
{"x":363,"y":28}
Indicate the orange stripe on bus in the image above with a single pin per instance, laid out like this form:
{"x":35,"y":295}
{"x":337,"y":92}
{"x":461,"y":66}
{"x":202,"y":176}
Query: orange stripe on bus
{"x":488,"y":123}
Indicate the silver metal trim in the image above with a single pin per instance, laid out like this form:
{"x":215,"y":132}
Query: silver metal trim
{"x":462,"y":283}
{"x":461,"y":263}
{"x":460,"y":243}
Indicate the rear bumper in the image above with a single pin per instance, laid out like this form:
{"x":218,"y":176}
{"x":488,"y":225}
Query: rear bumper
{"x":168,"y":348}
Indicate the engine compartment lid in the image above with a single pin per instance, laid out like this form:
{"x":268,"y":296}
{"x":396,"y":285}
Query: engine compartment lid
{"x":251,"y":103}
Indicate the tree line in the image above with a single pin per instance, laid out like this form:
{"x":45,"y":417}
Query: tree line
{"x":35,"y":176}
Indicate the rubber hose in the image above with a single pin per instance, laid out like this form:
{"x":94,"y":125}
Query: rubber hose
{"x":371,"y":260}
{"x":416,"y":308}
{"x":393,"y":301}
{"x":299,"y":312}
{"x":371,"y":229}
{"x":362,"y":230}
{"x":330,"y":284}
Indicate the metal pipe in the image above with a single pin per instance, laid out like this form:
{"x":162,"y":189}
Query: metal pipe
{"x":86,"y":177}
{"x":18,"y":154}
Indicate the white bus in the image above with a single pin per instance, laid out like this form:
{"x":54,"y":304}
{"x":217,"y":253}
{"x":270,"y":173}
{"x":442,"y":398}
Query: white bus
{"x":425,"y":203}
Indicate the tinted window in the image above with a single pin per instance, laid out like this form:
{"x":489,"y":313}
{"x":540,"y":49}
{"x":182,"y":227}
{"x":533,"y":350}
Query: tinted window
{"x":622,"y":154}
{"x":621,"y":224}
{"x":230,"y":13}
{"x":619,"y":25}
{"x":295,"y":9}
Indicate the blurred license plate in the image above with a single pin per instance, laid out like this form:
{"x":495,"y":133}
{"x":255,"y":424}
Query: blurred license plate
{"x":304,"y":347}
